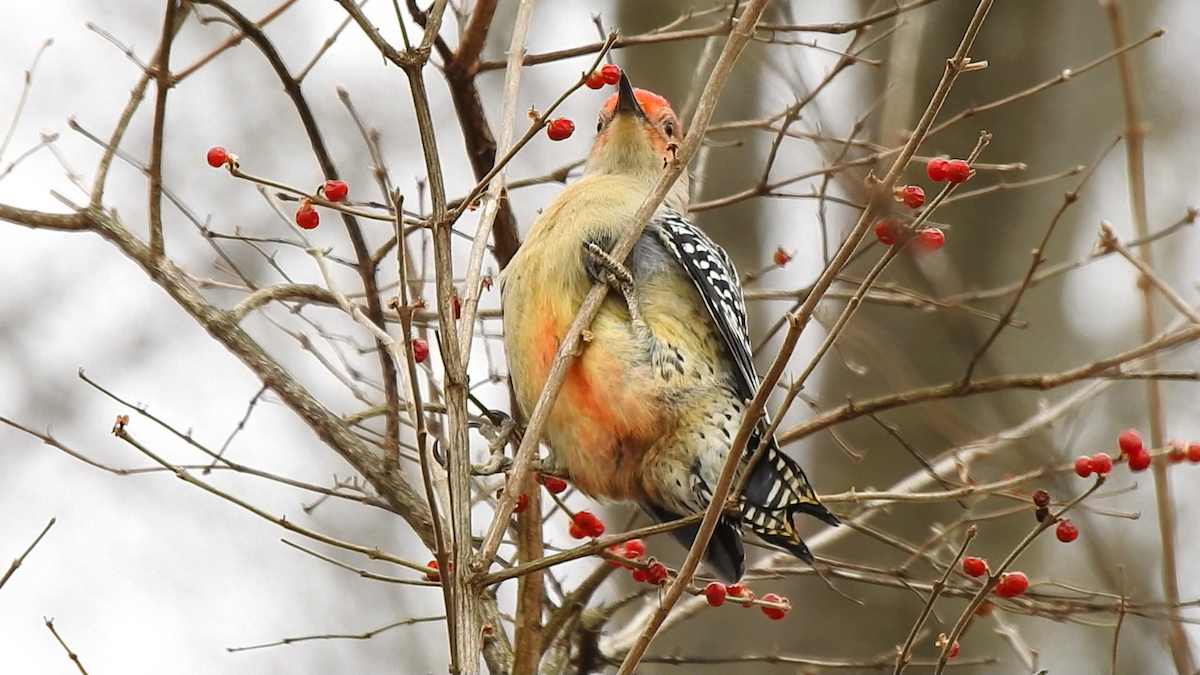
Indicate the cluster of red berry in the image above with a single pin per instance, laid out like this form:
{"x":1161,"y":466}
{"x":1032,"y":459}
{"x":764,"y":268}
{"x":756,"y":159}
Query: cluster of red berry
{"x":716,"y":592}
{"x":652,"y":573}
{"x":585,"y":524}
{"x":1134,"y":452}
{"x":1066,"y":531}
{"x":952,"y":170}
{"x":609,"y":74}
{"x":306,"y":216}
{"x":561,"y":128}
{"x":1010,"y":585}
{"x":633,"y":549}
{"x":888,"y":232}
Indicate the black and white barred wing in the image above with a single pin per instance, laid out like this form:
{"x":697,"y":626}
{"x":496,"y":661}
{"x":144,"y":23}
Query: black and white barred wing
{"x":777,"y":484}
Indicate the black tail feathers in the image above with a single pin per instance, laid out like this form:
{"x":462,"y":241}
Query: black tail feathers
{"x":724,"y":554}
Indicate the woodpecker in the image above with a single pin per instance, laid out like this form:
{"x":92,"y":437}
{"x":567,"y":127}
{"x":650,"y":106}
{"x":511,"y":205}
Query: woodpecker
{"x":650,"y":407}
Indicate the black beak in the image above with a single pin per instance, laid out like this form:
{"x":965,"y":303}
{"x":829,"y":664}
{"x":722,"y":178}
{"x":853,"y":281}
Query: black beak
{"x":626,"y":102}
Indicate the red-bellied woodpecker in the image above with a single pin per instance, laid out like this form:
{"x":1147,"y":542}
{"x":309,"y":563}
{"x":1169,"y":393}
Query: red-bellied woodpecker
{"x":649,"y":408}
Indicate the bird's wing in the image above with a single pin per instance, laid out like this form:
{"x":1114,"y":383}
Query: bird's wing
{"x":777,"y":482}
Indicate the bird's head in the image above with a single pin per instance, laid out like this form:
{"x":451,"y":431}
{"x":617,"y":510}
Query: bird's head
{"x":637,"y":134}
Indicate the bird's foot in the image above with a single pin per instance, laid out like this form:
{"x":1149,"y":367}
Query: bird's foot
{"x":498,"y":428}
{"x":603,"y":267}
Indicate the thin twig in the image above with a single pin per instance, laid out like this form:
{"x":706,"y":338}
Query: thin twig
{"x":12,"y":568}
{"x":903,"y":657}
{"x":70,"y":654}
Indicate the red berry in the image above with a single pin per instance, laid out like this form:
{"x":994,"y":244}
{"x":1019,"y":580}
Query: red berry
{"x":554,"y":485}
{"x":781,"y":257}
{"x":1101,"y":463}
{"x":335,"y":190}
{"x":1067,"y":532}
{"x":737,"y":590}
{"x":1176,"y":452}
{"x":1130,"y":441}
{"x":560,"y":128}
{"x":912,"y":196}
{"x":1140,"y":460}
{"x":635,"y":548}
{"x":420,"y":350}
{"x":974,"y":567}
{"x":1193,"y":453}
{"x":1041,"y":498}
{"x":1012,"y":584}
{"x":522,"y":503}
{"x":773,"y":613}
{"x":656,"y":574}
{"x":953,"y":650}
{"x":307,"y":218}
{"x":957,"y":171}
{"x":930,"y":239}
{"x":936,"y":169}
{"x":588,"y":523}
{"x":1083,"y":466}
{"x":985,"y":608}
{"x":217,"y":157}
{"x":639,"y":576}
{"x":432,"y":576}
{"x":610,"y":74}
{"x":576,"y":531}
{"x":715,"y":593}
{"x":595,"y":80}
{"x":886,"y":231}
{"x":618,"y":550}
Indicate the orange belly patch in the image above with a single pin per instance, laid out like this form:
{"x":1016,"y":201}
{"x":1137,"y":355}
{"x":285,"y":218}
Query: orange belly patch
{"x":603,"y":421}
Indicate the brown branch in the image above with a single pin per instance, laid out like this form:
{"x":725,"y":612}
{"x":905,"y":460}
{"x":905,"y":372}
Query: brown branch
{"x":1134,"y":134}
{"x":162,"y":83}
{"x":365,"y":635}
{"x":470,"y":43}
{"x":959,"y":389}
{"x":230,"y":42}
{"x":994,"y":574}
{"x":1037,"y":261}
{"x":902,"y":658}
{"x":365,"y":268}
{"x":739,"y":36}
{"x":847,"y":26}
{"x":1110,"y":242}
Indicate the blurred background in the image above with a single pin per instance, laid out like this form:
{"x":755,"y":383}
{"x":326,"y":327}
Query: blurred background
{"x":144,"y":574}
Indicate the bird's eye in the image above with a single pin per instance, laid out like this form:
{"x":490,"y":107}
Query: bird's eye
{"x":669,"y":129}
{"x":600,"y":125}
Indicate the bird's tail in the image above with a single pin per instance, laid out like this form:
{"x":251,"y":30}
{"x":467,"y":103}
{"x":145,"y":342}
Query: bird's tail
{"x":724,"y":554}
{"x":777,"y":490}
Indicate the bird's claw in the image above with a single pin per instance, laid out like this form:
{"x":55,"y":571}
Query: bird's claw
{"x":603,"y":267}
